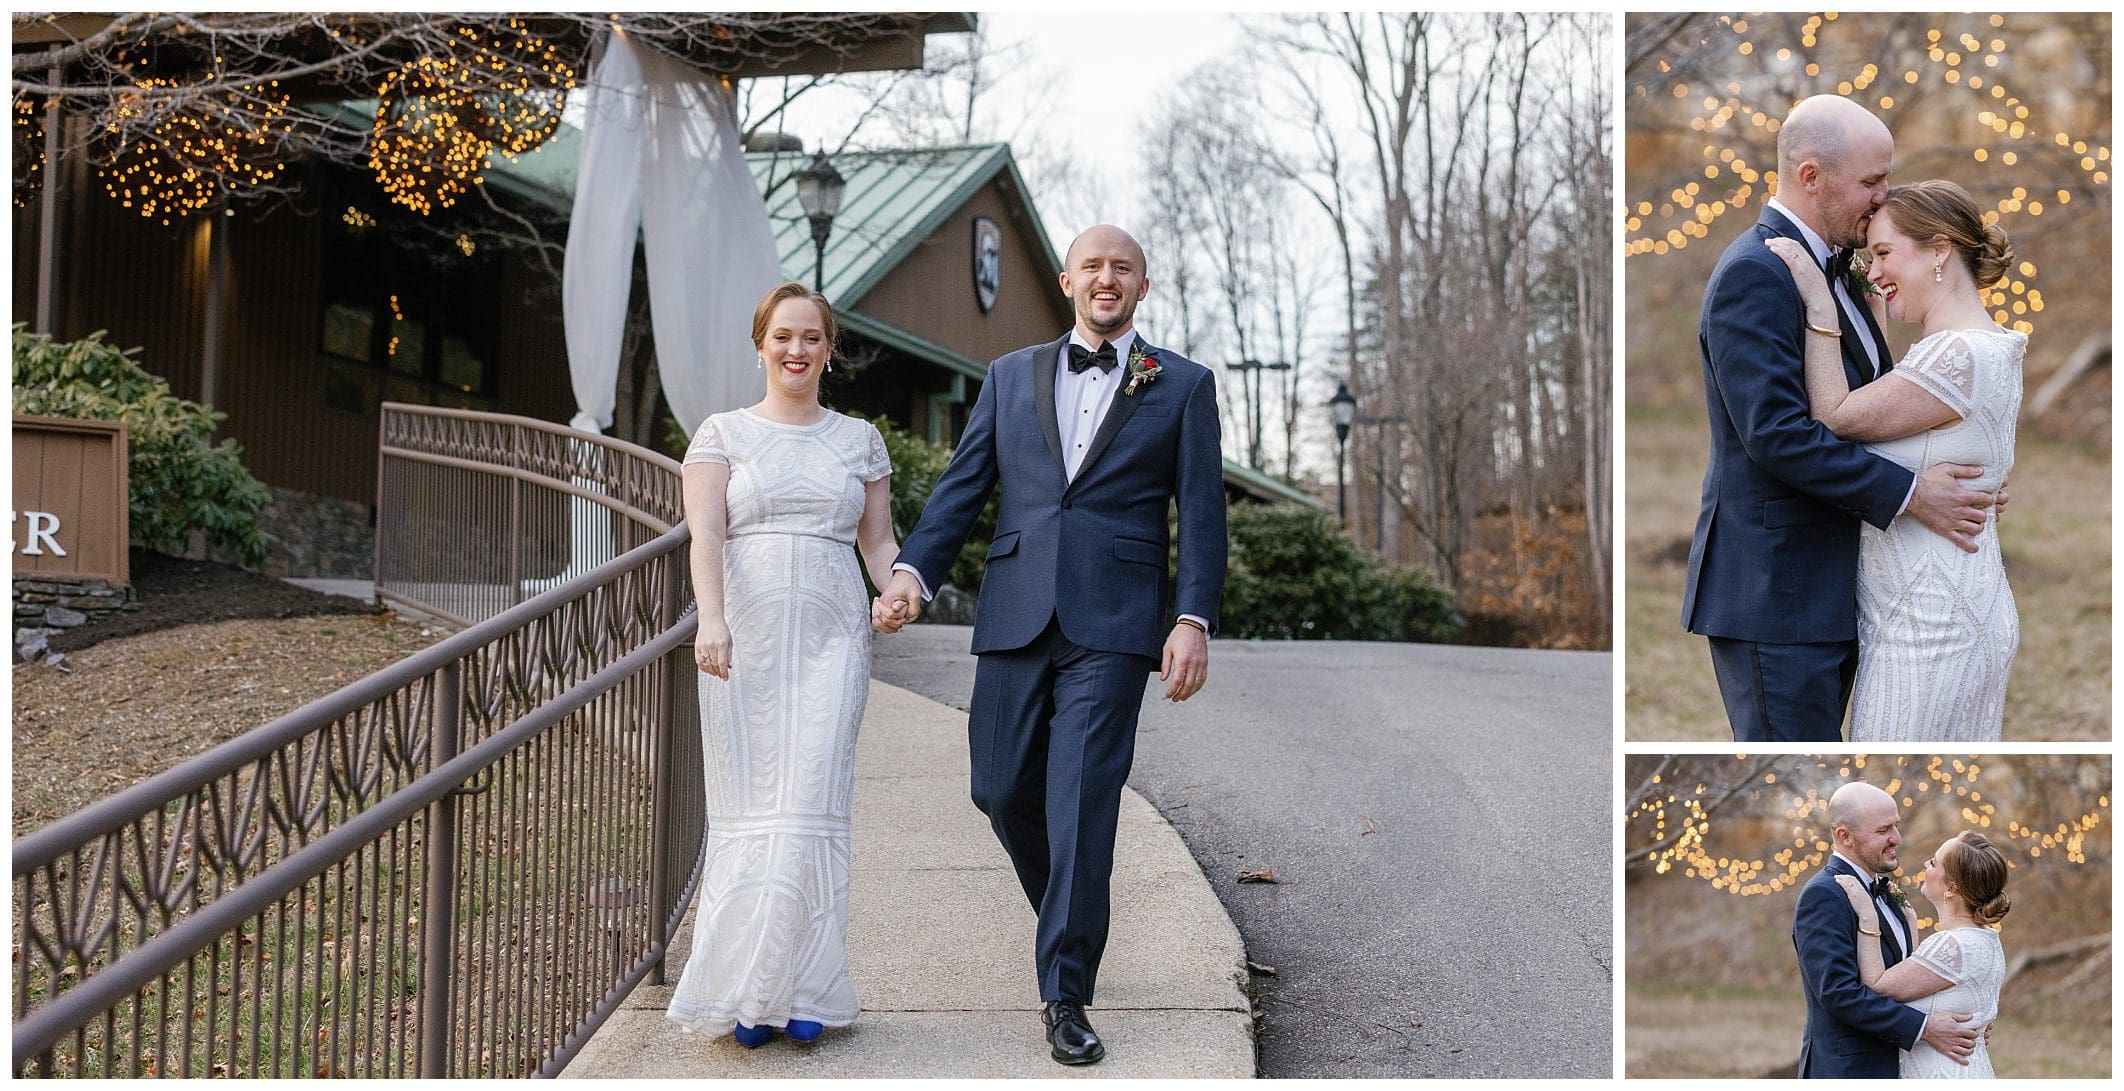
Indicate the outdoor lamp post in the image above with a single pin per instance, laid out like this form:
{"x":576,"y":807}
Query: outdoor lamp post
{"x":819,"y":189}
{"x":1344,"y":406}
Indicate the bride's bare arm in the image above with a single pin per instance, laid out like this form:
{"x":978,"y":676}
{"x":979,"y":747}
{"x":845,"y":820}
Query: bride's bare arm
{"x":1874,"y":412}
{"x":1906,"y":980}
{"x":874,"y":531}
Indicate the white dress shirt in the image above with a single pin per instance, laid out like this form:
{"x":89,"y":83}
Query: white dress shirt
{"x":1082,"y":400}
{"x":1891,"y":917}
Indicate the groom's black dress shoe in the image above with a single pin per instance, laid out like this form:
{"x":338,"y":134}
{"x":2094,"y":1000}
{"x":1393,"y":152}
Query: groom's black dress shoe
{"x":1069,"y":1034}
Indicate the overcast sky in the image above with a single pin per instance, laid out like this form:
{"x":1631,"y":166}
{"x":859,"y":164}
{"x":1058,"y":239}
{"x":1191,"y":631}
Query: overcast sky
{"x":1087,"y":80}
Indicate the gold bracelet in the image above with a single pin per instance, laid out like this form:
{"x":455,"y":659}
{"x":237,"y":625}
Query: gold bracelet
{"x":1812,"y":328}
{"x":1875,"y":932}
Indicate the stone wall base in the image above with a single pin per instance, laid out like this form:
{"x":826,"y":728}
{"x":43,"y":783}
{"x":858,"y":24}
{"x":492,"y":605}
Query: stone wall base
{"x":45,"y":605}
{"x":314,"y":537}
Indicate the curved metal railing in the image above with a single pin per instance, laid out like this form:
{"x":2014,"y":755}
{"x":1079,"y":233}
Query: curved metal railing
{"x":457,"y":866}
{"x":486,"y":510}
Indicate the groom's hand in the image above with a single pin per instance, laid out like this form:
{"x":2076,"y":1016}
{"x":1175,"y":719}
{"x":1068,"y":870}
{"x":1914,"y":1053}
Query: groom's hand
{"x":1186,"y":662}
{"x":1949,"y":1032}
{"x":899,"y":603}
{"x":1949,"y":508}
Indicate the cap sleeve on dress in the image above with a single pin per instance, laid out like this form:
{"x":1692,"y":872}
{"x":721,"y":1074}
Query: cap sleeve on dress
{"x":1941,"y":953}
{"x":1946,"y":369}
{"x":876,"y":463}
{"x":707,"y":445}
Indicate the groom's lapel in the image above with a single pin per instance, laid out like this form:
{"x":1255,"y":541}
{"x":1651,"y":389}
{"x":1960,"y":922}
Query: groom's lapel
{"x":1891,"y":949}
{"x":1045,"y":362}
{"x":1880,"y":340}
{"x":1857,"y":369}
{"x":1124,"y":407}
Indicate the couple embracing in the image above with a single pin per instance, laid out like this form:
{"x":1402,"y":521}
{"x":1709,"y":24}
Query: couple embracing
{"x":1089,"y":439}
{"x":1847,"y":549}
{"x":1881,"y":1001}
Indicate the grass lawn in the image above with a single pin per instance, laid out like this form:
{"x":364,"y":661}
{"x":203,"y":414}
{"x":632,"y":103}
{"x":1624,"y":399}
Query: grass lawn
{"x":2057,"y":542}
{"x":1673,"y":1030}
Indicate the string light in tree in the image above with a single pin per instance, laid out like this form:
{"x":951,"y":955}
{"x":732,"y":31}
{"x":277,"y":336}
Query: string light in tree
{"x":1961,"y":62}
{"x":28,"y":149}
{"x":1677,"y":822}
{"x":497,"y":90}
{"x":207,"y":147}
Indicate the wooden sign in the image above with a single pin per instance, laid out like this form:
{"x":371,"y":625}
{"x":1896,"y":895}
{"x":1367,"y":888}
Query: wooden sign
{"x":70,"y":519}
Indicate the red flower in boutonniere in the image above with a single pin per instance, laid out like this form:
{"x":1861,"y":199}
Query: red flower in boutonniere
{"x":1142,"y":368}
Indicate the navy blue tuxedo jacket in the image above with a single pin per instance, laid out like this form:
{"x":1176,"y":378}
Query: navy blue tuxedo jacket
{"x":1775,"y":555}
{"x":1851,"y":1030}
{"x":1092,"y":551}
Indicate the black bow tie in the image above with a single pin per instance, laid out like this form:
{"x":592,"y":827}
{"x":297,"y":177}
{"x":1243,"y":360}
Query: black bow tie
{"x":1081,"y":357}
{"x":1839,"y":265}
{"x":1882,"y":887}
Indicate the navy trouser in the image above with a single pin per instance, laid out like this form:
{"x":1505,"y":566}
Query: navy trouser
{"x":1053,"y":733}
{"x":1785,"y":692}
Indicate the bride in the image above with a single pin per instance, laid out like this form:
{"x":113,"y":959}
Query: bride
{"x":1960,"y":966}
{"x":1937,"y":626}
{"x":786,"y":498}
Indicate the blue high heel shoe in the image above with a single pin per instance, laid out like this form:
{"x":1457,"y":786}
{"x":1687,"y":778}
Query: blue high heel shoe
{"x":804,"y":1030}
{"x":752,"y":1037}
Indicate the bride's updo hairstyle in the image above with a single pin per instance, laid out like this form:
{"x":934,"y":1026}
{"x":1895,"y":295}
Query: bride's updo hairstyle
{"x":764,"y":313}
{"x":1938,"y":209}
{"x":1977,"y":870}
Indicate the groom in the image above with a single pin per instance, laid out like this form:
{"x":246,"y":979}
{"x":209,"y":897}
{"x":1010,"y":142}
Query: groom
{"x":1773,"y":564}
{"x":1090,"y":438}
{"x":1852,"y":1030}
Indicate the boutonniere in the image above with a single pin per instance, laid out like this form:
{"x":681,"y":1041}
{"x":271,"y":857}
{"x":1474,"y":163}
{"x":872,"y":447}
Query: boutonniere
{"x":1142,"y":368}
{"x":1855,"y":275}
{"x":1896,"y":898}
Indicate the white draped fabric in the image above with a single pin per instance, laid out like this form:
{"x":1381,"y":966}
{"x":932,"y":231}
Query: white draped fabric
{"x":662,"y":156}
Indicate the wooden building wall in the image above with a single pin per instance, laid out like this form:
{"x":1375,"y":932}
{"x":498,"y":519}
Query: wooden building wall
{"x":146,"y":285}
{"x":931,"y":293}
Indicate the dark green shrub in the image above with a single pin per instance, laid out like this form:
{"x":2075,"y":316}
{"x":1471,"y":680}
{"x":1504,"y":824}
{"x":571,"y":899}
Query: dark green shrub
{"x":179,"y":479}
{"x":1294,"y":574}
{"x":916,"y":465}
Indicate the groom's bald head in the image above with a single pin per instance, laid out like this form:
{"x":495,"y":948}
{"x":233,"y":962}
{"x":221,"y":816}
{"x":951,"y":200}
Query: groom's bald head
{"x":1833,"y":159}
{"x":1104,"y":236}
{"x":1826,"y":129}
{"x":1867,"y":826}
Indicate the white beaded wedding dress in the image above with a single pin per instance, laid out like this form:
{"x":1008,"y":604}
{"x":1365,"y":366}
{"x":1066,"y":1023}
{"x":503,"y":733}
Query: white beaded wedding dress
{"x":1975,"y":961}
{"x":1937,"y":626}
{"x":770,"y":933}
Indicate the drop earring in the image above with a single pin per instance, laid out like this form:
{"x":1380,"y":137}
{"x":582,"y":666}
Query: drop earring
{"x":1936,"y":277}
{"x":829,"y":365}
{"x":762,"y":362}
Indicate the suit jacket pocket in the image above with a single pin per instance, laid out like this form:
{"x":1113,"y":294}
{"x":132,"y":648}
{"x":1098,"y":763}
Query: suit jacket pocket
{"x":1154,"y":411}
{"x":1795,"y":511}
{"x":1004,"y":545}
{"x":1139,"y":551}
{"x":1849,"y":1045}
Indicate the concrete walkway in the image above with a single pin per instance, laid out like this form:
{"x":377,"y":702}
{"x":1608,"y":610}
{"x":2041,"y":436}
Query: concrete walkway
{"x":940,"y":944}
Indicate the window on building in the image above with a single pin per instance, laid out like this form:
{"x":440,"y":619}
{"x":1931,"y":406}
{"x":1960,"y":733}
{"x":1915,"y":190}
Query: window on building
{"x":407,"y":322}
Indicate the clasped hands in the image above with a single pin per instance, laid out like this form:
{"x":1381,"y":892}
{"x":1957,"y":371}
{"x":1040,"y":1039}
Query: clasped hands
{"x":899,"y":603}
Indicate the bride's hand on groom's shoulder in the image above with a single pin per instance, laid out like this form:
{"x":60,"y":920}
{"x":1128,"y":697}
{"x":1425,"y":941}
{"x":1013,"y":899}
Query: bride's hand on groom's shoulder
{"x":1807,"y":277}
{"x":1861,"y":902}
